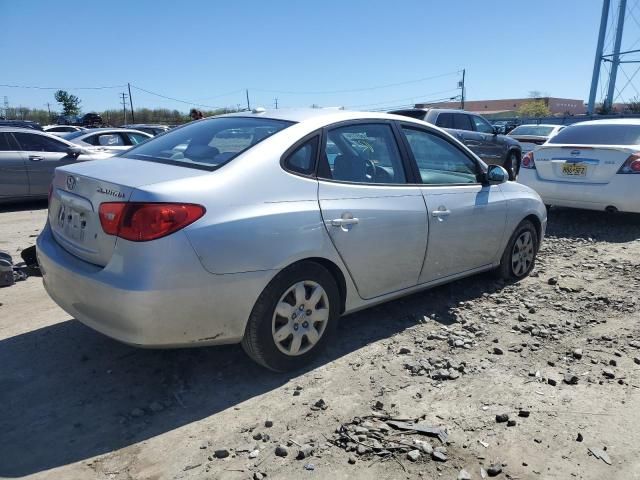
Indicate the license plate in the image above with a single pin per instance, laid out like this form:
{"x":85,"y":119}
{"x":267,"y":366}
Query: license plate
{"x":574,"y":170}
{"x":72,"y":223}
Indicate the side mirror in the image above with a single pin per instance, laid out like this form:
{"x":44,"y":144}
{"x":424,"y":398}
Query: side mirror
{"x":74,"y":151}
{"x":496,"y":175}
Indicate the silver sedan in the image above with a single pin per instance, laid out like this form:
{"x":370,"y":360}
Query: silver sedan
{"x":114,"y":140}
{"x":265,"y":227}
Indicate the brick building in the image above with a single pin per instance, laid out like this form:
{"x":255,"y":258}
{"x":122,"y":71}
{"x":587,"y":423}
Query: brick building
{"x":557,"y":106}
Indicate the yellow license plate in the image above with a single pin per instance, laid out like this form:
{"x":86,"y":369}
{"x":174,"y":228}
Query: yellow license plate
{"x":574,"y":170}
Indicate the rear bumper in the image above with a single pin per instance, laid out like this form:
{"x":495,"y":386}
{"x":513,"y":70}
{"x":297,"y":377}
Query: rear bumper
{"x":159,"y":296}
{"x":622,"y":192}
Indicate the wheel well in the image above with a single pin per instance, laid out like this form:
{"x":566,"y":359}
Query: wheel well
{"x":536,"y":223}
{"x":336,"y":273}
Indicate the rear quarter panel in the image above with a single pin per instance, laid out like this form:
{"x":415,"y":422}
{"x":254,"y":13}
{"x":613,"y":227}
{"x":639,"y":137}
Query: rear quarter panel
{"x":522,"y":202}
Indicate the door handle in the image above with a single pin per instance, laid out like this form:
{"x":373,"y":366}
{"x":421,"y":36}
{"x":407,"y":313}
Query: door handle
{"x":441,"y":213}
{"x":34,"y":158}
{"x":341,"y":222}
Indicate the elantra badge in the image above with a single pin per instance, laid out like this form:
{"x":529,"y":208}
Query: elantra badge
{"x":71,"y":182}
{"x":575,"y":152}
{"x":108,"y":191}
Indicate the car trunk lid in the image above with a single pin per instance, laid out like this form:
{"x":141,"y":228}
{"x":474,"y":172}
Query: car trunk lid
{"x":79,"y":189}
{"x":580,"y":163}
{"x":529,"y":142}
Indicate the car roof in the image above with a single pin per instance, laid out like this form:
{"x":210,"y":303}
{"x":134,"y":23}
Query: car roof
{"x":296,"y":115}
{"x":89,"y":131}
{"x":432,"y":109}
{"x":539,"y":125}
{"x":153,"y":125}
{"x":611,"y":121}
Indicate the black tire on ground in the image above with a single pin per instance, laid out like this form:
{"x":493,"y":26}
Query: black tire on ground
{"x":511,"y":269}
{"x":259,"y":342}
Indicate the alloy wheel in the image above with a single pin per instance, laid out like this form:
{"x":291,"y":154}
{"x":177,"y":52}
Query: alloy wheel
{"x":523,"y":254}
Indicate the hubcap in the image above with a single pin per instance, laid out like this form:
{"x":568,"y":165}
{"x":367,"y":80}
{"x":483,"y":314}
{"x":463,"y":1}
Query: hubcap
{"x":300,"y":318}
{"x":522,"y":254}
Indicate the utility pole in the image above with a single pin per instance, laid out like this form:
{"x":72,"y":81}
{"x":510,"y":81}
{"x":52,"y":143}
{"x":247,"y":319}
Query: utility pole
{"x":596,"y":64}
{"x":133,"y":119}
{"x":615,"y":62}
{"x":275,"y":100}
{"x":462,"y":90}
{"x":124,"y":107}
{"x":49,"y":110}
{"x":248,"y":104}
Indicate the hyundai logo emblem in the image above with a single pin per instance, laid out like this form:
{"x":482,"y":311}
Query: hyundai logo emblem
{"x":575,"y":152}
{"x":71,"y":182}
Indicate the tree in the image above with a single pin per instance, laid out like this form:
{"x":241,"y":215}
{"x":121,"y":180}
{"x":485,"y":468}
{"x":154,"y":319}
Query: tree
{"x":535,"y":94}
{"x":70,"y":103}
{"x":634,"y":105}
{"x":534,"y":108}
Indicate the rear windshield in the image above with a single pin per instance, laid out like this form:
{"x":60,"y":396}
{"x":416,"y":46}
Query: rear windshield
{"x":207,"y":144}
{"x":599,"y":135}
{"x":532,"y":130}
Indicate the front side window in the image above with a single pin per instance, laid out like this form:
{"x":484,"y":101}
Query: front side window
{"x":6,"y":143}
{"x":106,"y":140}
{"x":362,"y":153}
{"x":461,"y":121}
{"x":303,"y":158}
{"x":481,"y":124}
{"x":439,"y":162}
{"x":136,"y":138}
{"x":207,"y":144}
{"x":32,"y":142}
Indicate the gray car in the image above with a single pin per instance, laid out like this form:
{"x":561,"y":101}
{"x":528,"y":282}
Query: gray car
{"x":476,"y":133}
{"x":28,"y":159}
{"x":270,"y":225}
{"x":150,"y":128}
{"x":114,"y":140}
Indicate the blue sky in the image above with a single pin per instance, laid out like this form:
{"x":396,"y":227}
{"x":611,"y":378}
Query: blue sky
{"x":208,"y":51}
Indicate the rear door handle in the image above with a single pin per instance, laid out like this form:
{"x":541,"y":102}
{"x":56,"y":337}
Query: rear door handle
{"x":441,"y":213}
{"x":341,"y":222}
{"x":35,"y":158}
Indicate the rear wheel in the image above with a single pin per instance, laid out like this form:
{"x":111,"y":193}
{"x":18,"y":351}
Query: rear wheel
{"x":512,"y":165}
{"x":519,"y":256}
{"x":293,"y":318}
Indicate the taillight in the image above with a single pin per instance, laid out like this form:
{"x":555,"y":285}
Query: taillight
{"x":631,"y":164}
{"x":141,"y":222}
{"x":528,"y":161}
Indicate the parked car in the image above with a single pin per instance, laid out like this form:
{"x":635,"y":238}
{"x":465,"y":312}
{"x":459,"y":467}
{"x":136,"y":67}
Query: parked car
{"x":476,"y":133}
{"x":593,"y":165}
{"x":61,"y":129}
{"x":28,"y":158}
{"x":532,"y":136}
{"x":110,"y":139}
{"x":504,"y":126}
{"x":268,"y":239}
{"x":151,"y":129}
{"x":91,"y":120}
{"x":21,"y":124}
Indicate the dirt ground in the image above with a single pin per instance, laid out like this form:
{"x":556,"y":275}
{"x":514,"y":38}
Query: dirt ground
{"x":77,"y":405}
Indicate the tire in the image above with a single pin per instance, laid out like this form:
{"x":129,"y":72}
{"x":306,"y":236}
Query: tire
{"x":524,"y":242}
{"x":277,"y":313}
{"x":512,"y":165}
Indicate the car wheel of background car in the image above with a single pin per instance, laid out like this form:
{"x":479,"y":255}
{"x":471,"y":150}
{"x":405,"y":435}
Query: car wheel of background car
{"x":293,"y":318}
{"x":512,"y":165}
{"x":519,"y":256}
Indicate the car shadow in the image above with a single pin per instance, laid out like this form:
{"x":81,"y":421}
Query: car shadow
{"x":69,"y":393}
{"x":24,"y":206}
{"x":600,"y":226}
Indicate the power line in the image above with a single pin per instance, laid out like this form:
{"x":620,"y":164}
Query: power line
{"x":352,"y":90}
{"x":175,"y":99}
{"x":61,"y":88}
{"x":404,"y":98}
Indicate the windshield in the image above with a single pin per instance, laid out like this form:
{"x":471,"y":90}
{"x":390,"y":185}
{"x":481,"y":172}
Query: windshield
{"x":73,"y":135}
{"x":207,"y":144}
{"x":532,"y":130}
{"x":619,"y":134}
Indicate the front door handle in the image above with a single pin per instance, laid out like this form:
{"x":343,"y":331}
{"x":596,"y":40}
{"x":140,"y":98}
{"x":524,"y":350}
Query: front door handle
{"x":35,"y":158}
{"x":341,"y":222}
{"x":441,"y":213}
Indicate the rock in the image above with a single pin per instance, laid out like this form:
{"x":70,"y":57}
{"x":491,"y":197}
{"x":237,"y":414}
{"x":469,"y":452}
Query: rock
{"x":137,"y":412}
{"x":511,"y":423}
{"x":494,"y":470}
{"x":282,"y":451}
{"x":579,"y":438}
{"x":524,"y":413}
{"x":601,"y":454}
{"x":608,"y":373}
{"x":254,"y":453}
{"x":258,"y":476}
{"x":439,"y":456}
{"x":498,"y":351}
{"x":404,"y":351}
{"x":221,"y":453}
{"x":502,"y":418}
{"x":305,"y":451}
{"x":464,"y":475}
{"x":552,"y":281}
{"x":636,"y":360}
{"x":352,"y":460}
{"x":310,"y":467}
{"x":613,"y":363}
{"x":361,"y":449}
{"x":414,"y":455}
{"x":268,"y":423}
{"x":320,"y":405}
{"x":552,"y":382}
{"x":570,"y":379}
{"x":257,"y":436}
{"x":577,"y":353}
{"x":156,"y":407}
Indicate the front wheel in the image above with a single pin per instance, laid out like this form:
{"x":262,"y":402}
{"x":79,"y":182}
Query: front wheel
{"x":293,"y":318}
{"x":512,"y":165}
{"x":519,"y":256}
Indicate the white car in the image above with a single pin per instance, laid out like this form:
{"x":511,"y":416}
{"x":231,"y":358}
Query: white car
{"x":60,"y":130}
{"x":593,"y":165}
{"x":532,"y":136}
{"x":108,"y":139}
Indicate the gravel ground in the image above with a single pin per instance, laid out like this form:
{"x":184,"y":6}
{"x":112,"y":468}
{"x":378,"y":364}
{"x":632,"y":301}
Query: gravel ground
{"x":558,"y":353}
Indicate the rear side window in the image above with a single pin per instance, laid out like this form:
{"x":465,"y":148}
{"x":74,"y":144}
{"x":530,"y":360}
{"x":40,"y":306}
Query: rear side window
{"x":136,"y":138}
{"x":445,"y":120}
{"x":598,"y":135}
{"x":303,"y":158}
{"x":461,"y":121}
{"x":6,"y":143}
{"x":207,"y":144}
